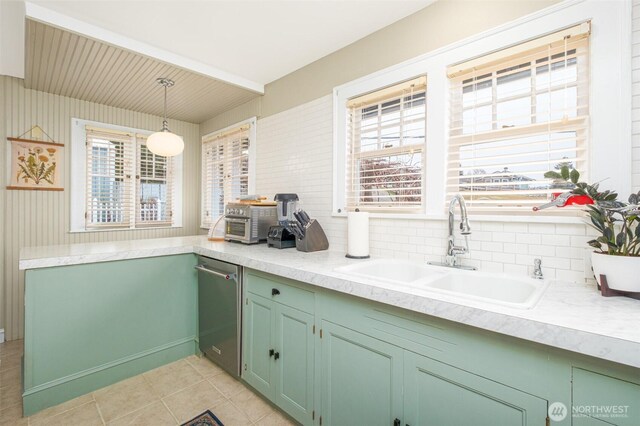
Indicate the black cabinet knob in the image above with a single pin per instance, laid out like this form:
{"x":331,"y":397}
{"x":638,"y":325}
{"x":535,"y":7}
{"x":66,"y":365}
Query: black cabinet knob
{"x":275,"y":292}
{"x":396,"y":422}
{"x":271,"y":352}
{"x":276,"y":355}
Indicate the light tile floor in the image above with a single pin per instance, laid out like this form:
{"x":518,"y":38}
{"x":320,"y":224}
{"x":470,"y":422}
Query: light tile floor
{"x":169,"y":395}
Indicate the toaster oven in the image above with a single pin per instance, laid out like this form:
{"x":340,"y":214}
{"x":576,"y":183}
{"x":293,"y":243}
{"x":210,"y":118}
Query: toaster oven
{"x":248,"y":224}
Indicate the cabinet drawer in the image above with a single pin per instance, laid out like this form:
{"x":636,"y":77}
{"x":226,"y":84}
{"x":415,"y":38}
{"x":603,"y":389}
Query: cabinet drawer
{"x":280,"y":290}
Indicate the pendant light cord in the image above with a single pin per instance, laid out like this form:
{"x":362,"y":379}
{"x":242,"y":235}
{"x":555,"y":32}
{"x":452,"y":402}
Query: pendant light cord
{"x":166,"y":82}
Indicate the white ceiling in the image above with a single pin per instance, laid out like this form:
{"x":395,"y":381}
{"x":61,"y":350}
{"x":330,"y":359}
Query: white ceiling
{"x":258,"y":41}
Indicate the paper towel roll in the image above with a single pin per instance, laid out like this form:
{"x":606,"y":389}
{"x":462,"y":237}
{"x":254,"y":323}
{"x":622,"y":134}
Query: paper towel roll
{"x":358,"y":235}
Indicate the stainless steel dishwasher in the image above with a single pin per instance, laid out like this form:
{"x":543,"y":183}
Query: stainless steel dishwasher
{"x":219,"y":312}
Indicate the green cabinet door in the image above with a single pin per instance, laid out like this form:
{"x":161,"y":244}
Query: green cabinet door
{"x":439,"y":394}
{"x":295,"y":363}
{"x":278,"y":355}
{"x":599,"y":399}
{"x":258,"y":338}
{"x":361,"y":379}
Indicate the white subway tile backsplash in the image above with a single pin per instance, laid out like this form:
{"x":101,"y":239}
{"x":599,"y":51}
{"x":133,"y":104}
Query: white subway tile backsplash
{"x":491,"y":246}
{"x":505,"y":237}
{"x":555,"y":240}
{"x":295,"y":154}
{"x":570,"y":252}
{"x":506,"y":258}
{"x":516,"y":227}
{"x":528,"y":238}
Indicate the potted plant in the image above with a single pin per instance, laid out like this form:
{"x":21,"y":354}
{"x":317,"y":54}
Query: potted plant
{"x":617,"y":246}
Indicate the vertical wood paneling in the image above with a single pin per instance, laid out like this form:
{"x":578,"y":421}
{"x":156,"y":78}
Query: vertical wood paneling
{"x":35,"y":218}
{"x":5,"y":115}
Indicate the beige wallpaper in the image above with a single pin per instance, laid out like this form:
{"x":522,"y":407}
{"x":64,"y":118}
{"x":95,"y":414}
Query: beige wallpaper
{"x":36,"y":218}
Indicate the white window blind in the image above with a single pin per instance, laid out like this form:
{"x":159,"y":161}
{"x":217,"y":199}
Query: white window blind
{"x":155,"y":187}
{"x":225,"y":170}
{"x":127,"y":186}
{"x":385,"y":148}
{"x":515,"y":114}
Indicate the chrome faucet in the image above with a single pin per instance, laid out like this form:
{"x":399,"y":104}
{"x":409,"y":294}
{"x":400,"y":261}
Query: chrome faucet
{"x":537,"y":269}
{"x":453,"y":251}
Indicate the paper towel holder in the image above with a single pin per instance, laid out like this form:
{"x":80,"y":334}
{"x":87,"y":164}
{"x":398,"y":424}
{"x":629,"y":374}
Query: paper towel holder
{"x":357,"y":257}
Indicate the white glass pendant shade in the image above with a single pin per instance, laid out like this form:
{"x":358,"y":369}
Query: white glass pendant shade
{"x":165,"y":143}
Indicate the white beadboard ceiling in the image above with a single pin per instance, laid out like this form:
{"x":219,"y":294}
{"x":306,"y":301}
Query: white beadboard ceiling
{"x":67,"y":64}
{"x":246,"y":42}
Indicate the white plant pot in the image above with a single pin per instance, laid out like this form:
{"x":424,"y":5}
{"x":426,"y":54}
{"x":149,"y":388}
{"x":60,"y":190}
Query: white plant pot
{"x":622,"y":272}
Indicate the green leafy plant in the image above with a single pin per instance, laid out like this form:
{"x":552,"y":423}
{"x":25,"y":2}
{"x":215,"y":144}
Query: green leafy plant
{"x":617,"y":222}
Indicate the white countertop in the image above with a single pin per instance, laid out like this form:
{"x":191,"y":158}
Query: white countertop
{"x":568,"y":316}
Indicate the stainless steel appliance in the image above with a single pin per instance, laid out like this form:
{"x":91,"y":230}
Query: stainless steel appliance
{"x":219,"y":312}
{"x":247,"y":223}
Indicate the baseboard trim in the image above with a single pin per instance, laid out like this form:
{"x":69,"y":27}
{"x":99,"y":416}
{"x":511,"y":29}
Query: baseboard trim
{"x":108,"y":365}
{"x":65,"y":388}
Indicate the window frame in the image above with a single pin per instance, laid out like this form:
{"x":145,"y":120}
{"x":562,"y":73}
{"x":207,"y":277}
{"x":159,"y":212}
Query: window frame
{"x":78,"y":184}
{"x":468,"y":145}
{"x":610,"y":71}
{"x":401,"y":149}
{"x":252,"y":122}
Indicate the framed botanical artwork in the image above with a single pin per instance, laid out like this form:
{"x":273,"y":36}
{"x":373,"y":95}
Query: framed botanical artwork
{"x":36,"y":165}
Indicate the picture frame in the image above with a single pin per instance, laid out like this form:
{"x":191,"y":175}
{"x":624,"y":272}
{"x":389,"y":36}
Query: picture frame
{"x":36,"y":165}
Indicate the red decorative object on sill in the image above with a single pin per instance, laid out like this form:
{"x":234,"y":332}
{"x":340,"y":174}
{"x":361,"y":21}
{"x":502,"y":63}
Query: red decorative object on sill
{"x":579,"y":200}
{"x":562,"y":199}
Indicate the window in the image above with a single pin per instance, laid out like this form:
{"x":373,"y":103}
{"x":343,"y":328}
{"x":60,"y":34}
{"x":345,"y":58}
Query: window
{"x":385,"y":148}
{"x":119,"y":183}
{"x":502,"y":108}
{"x":227,"y":168}
{"x":516,"y":114}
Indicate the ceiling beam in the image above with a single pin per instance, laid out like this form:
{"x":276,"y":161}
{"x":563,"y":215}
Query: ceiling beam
{"x":48,"y":16}
{"x":12,"y":38}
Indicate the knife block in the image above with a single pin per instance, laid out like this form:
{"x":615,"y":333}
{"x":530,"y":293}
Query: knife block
{"x":314,"y":238}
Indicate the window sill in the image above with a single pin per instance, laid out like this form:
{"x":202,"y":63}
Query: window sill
{"x":479,"y":218}
{"x":148,"y":228}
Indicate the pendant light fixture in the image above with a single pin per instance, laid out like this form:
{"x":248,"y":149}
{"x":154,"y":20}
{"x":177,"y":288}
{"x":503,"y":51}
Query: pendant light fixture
{"x":165,"y":143}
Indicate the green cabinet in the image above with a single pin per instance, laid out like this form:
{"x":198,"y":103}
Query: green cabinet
{"x":279,"y":345}
{"x":599,"y":399}
{"x":258,"y":325}
{"x":368,"y":381}
{"x":88,"y":326}
{"x":378,"y":365}
{"x":361,"y":378}
{"x":439,"y":394}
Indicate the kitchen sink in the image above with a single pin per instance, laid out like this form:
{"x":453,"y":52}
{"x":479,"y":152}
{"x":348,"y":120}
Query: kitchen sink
{"x":515,"y":292}
{"x":414,"y":277}
{"x":392,"y":270}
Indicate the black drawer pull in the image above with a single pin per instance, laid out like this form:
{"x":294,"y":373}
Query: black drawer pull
{"x":275,"y":292}
{"x":271,"y":352}
{"x":276,"y":355}
{"x":396,"y":422}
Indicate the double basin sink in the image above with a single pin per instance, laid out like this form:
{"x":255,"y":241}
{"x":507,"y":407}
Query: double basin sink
{"x":414,"y":277}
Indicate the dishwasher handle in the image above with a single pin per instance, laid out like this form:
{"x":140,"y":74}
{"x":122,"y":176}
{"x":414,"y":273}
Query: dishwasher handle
{"x":216,"y":273}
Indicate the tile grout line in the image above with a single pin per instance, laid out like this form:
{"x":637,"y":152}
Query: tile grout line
{"x":99,"y":410}
{"x":66,"y":411}
{"x":130,"y":412}
{"x":169,"y":410}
